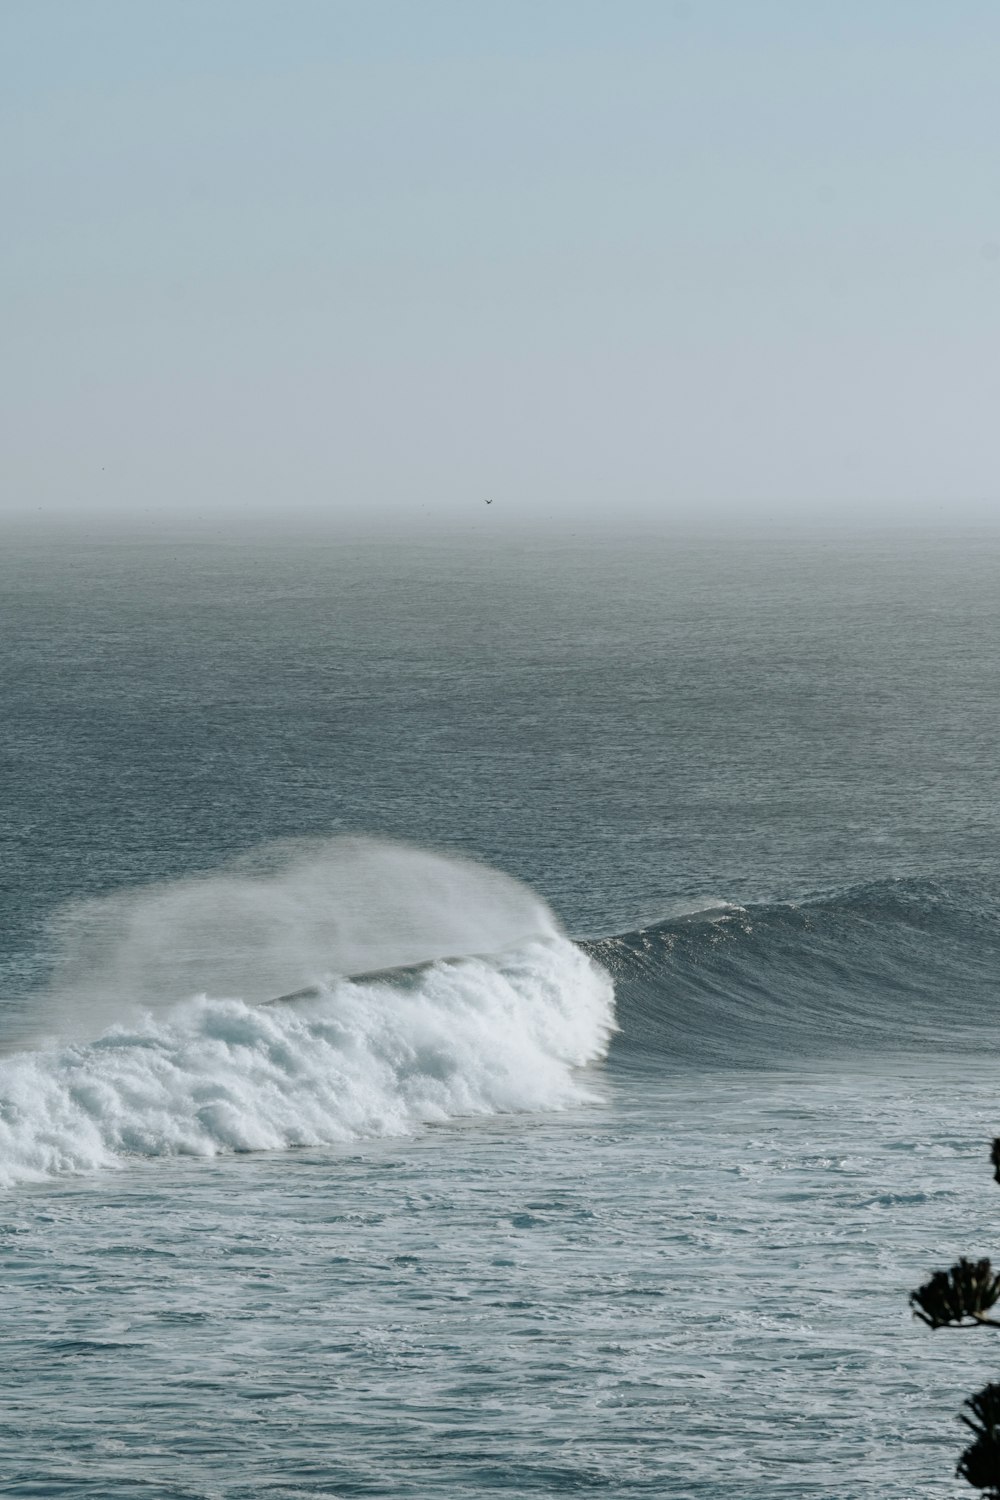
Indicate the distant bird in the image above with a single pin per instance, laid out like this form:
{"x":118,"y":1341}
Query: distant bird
{"x":489,"y":502}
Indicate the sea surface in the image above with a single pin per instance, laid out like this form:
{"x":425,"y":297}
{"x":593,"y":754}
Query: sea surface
{"x":485,"y":1017}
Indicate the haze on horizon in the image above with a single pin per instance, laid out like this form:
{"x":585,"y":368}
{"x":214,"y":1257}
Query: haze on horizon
{"x":376,"y":260}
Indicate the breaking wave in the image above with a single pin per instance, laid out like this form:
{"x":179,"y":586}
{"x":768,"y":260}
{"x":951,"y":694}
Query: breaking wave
{"x":469,"y":1036}
{"x":497,"y":1013}
{"x":500,"y":1024}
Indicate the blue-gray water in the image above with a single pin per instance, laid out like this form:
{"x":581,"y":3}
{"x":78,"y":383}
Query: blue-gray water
{"x":441,"y":1233}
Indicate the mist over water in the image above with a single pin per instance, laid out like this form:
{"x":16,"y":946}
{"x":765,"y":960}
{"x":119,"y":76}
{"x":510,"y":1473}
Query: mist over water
{"x":278,"y":919}
{"x":158,"y":1045}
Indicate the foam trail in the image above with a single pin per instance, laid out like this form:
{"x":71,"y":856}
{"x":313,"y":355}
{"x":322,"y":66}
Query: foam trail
{"x":466,"y":1037}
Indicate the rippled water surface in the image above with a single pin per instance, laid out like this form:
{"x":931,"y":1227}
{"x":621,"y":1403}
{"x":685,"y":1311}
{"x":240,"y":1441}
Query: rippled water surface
{"x":423,"y":1232}
{"x":696,"y":1284}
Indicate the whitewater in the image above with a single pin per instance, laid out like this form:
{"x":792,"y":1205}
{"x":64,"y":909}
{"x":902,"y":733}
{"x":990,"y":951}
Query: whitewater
{"x":494,"y":1024}
{"x":343,"y":1058}
{"x":471,"y":1037}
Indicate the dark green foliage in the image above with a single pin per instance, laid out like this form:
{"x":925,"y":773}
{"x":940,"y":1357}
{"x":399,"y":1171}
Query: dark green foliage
{"x":952,"y":1297}
{"x":960,"y":1298}
{"x":980,"y":1463}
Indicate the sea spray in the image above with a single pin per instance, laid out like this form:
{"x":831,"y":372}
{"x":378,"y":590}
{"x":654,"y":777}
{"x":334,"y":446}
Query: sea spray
{"x":279,"y":919}
{"x":158,"y":1041}
{"x":464,"y":1037}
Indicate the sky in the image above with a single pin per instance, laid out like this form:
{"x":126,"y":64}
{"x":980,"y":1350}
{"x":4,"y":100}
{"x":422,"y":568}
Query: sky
{"x":626,"y":261}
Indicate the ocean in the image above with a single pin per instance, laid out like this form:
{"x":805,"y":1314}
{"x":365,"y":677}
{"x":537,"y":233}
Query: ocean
{"x":488,"y":1016}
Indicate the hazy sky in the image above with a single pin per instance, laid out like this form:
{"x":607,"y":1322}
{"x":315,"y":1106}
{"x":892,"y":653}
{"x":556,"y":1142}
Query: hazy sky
{"x":621,"y":258}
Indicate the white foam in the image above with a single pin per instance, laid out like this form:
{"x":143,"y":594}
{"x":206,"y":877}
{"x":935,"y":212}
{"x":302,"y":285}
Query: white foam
{"x":470,"y":1037}
{"x":276,"y":920}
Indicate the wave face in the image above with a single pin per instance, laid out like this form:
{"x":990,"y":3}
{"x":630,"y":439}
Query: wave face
{"x":357,"y":1059}
{"x":893,"y":966}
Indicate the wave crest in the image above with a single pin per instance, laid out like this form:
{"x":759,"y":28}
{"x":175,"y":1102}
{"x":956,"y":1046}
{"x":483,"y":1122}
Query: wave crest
{"x":470,"y":1036}
{"x":890,"y":966}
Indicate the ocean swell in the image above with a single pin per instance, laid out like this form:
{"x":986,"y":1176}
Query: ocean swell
{"x":863,"y":974}
{"x":888,"y":967}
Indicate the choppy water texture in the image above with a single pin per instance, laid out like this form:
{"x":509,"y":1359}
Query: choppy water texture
{"x":443,"y":1230}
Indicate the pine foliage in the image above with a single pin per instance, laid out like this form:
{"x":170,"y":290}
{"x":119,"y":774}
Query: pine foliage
{"x":961,"y":1298}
